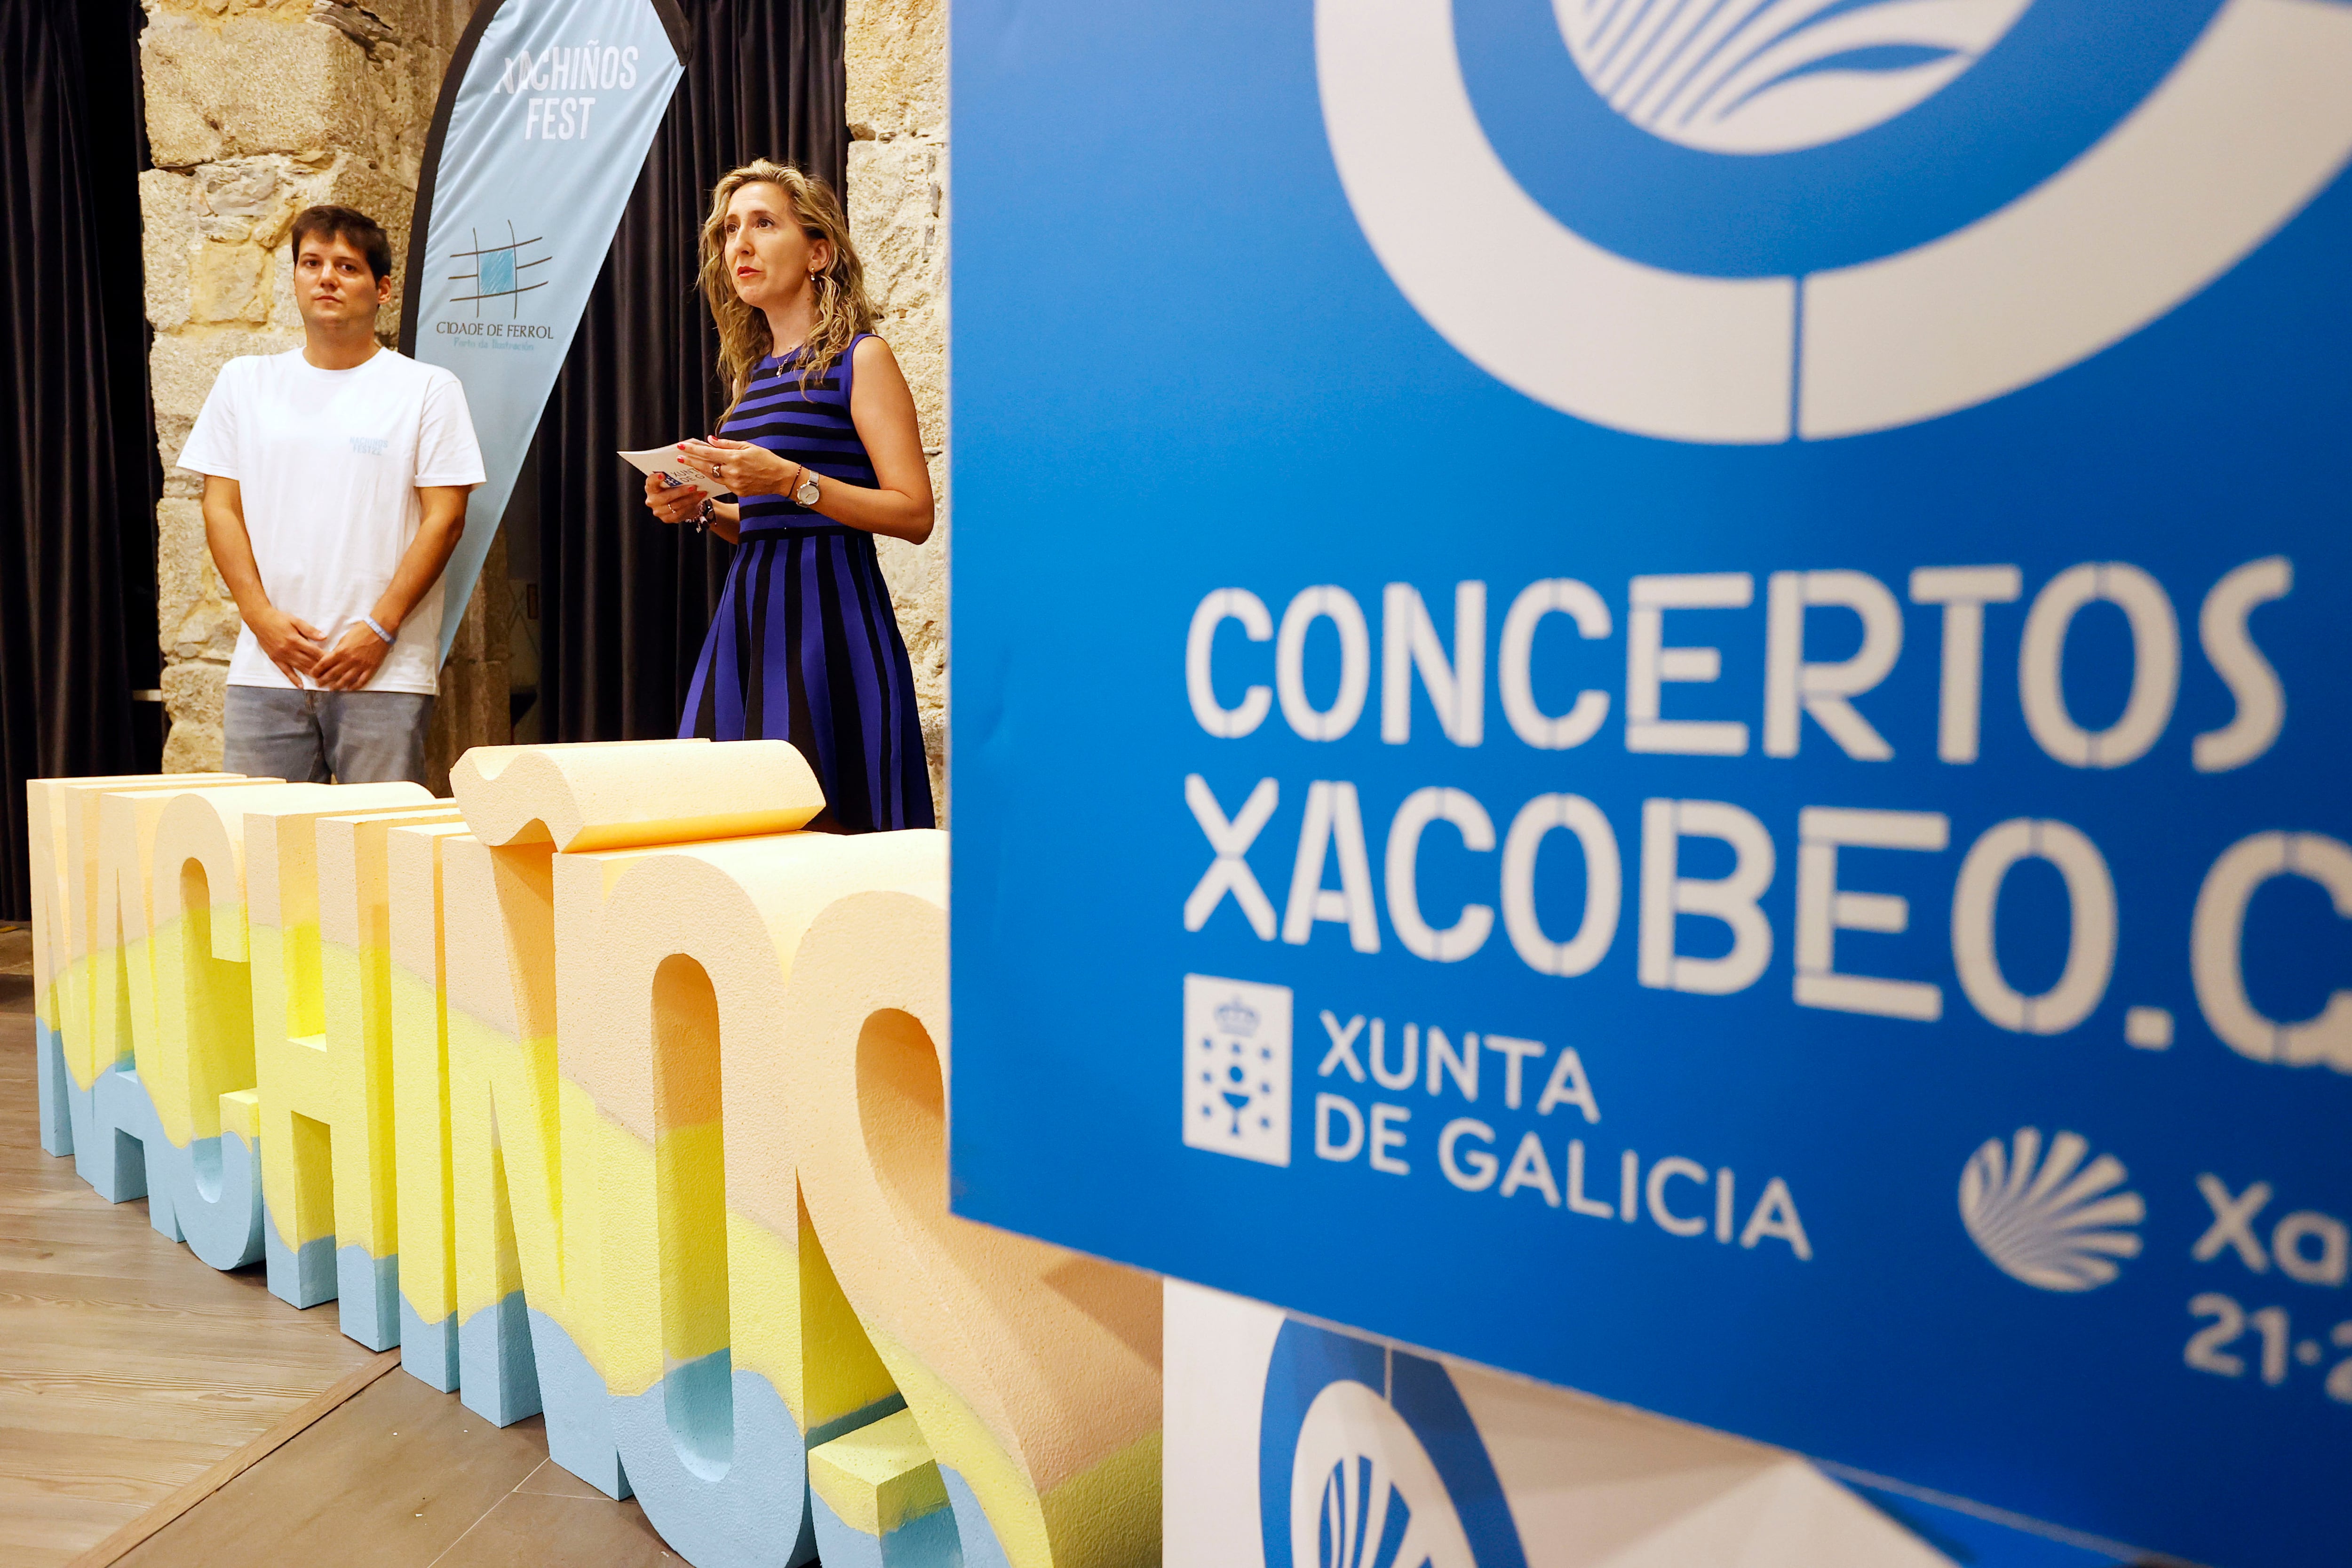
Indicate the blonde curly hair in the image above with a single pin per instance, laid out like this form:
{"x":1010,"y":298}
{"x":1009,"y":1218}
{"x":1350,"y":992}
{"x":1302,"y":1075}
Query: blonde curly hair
{"x":843,"y":310}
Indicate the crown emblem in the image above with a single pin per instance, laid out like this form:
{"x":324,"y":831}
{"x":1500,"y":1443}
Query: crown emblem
{"x":1236,"y":1017}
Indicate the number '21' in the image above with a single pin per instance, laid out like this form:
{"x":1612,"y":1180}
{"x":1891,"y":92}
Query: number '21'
{"x":2206,"y":1350}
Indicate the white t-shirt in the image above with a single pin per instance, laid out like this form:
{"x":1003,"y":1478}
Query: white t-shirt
{"x":327,"y":463}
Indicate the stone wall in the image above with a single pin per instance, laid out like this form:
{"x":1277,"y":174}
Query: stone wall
{"x":256,"y":109}
{"x":898,"y":216}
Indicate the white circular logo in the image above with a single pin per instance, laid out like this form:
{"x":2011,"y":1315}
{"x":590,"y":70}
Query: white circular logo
{"x":2051,"y":1221}
{"x":1776,"y":77}
{"x":2245,"y":128}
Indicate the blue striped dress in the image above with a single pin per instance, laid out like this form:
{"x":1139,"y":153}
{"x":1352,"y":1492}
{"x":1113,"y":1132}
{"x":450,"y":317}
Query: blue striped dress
{"x":805,"y":647}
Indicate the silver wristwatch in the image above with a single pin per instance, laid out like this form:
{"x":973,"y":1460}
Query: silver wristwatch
{"x":806,"y":492}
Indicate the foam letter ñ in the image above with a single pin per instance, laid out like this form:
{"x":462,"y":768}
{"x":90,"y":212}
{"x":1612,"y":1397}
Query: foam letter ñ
{"x":521,"y":803}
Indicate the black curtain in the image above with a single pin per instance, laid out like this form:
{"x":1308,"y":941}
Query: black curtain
{"x":623,"y":600}
{"x":77,"y":440}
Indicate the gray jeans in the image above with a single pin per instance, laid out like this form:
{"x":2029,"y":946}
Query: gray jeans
{"x":315,"y":737}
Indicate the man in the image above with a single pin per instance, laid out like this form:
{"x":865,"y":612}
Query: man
{"x":335,"y":484}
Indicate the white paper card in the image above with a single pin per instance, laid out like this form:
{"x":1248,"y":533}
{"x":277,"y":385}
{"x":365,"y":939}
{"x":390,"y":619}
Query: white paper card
{"x":670,"y":462}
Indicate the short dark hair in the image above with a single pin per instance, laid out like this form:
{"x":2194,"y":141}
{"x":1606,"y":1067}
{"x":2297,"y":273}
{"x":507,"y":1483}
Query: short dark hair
{"x":362,"y":232}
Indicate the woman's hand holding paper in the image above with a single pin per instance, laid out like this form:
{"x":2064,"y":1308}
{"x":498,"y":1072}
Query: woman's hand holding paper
{"x":738,"y":468}
{"x":672,"y":503}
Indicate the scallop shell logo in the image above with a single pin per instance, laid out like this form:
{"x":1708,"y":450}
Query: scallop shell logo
{"x":1776,"y":77}
{"x":1364,"y":1490}
{"x":2054,"y":1223}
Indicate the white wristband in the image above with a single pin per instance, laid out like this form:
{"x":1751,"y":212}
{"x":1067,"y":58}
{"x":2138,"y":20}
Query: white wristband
{"x":377,"y":628}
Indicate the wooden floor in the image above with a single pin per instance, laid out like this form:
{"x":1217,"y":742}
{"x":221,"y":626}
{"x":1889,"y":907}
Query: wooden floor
{"x":129,"y":1369}
{"x":400,"y":1477}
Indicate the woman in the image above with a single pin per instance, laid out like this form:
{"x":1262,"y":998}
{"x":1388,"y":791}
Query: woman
{"x":820,"y":449}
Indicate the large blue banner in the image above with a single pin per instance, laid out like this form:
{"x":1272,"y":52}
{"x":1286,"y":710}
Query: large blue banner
{"x":542,"y":130}
{"x":1653,"y":691}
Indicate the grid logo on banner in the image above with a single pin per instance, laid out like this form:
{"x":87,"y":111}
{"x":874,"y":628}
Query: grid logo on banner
{"x":1237,"y":1067}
